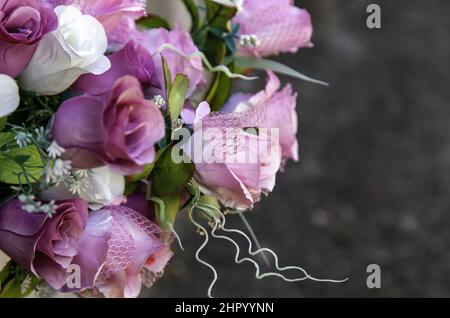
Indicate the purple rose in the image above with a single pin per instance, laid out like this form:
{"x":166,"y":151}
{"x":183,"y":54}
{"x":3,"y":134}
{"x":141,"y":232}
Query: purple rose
{"x":45,"y":246}
{"x":23,"y":23}
{"x":117,"y":245}
{"x":181,"y":58}
{"x":119,"y":128}
{"x":132,"y":59}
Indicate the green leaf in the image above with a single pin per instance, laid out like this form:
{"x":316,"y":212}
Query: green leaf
{"x":210,"y":200}
{"x":167,"y":208}
{"x":169,"y":177}
{"x":167,"y":76}
{"x":21,"y":159}
{"x":130,"y":188}
{"x":219,"y":92}
{"x":177,"y":96}
{"x":13,"y":162}
{"x":231,"y":44}
{"x":153,"y":22}
{"x":219,"y":16}
{"x":219,"y":19}
{"x":215,"y":50}
{"x":3,"y":121}
{"x":263,"y":64}
{"x":143,"y":175}
{"x":148,"y":168}
{"x":13,"y":289}
{"x":5,"y":273}
{"x":6,"y":138}
{"x":191,"y":6}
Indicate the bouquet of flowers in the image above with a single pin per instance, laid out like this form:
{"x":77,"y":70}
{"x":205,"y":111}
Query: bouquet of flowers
{"x":116,"y":118}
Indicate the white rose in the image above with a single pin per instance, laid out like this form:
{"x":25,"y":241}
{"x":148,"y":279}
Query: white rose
{"x":4,"y":259}
{"x":9,"y":95}
{"x":77,"y":47}
{"x":105,"y":187}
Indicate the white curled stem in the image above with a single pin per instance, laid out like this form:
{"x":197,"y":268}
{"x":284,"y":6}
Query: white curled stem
{"x":263,"y":250}
{"x":197,"y":257}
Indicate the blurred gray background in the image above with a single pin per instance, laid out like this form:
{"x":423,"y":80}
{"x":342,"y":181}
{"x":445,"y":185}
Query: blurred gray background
{"x":372,"y":183}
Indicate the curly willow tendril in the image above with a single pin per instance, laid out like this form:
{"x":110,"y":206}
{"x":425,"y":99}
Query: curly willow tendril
{"x":197,"y":257}
{"x":218,"y":222}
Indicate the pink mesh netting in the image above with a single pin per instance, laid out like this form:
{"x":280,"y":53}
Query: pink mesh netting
{"x":122,"y":249}
{"x":280,"y":26}
{"x":254,"y":117}
{"x":225,"y":135}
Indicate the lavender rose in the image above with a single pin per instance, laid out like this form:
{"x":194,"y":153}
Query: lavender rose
{"x":23,"y":23}
{"x":182,"y":60}
{"x":119,"y":128}
{"x":280,"y":112}
{"x":234,"y":165}
{"x":45,"y":246}
{"x":117,"y":246}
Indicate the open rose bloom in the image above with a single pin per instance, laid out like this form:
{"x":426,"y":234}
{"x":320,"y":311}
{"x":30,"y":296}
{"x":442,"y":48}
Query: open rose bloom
{"x":95,"y":95}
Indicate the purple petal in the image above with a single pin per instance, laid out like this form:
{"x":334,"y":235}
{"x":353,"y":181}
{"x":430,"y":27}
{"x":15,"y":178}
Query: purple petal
{"x":131,"y":60}
{"x":79,"y":124}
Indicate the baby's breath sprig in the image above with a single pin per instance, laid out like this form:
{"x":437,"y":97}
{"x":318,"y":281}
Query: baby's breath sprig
{"x":31,"y":205}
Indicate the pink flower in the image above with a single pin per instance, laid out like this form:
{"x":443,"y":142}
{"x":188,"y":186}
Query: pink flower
{"x":115,"y":248}
{"x":180,"y":61}
{"x":278,"y":25}
{"x":119,"y":128}
{"x":133,"y":59}
{"x":116,"y":16}
{"x":280,"y":112}
{"x":232,"y":164}
{"x":23,"y":24}
{"x":45,"y":246}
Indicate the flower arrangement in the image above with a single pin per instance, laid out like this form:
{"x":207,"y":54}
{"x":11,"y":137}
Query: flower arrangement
{"x":114,"y":121}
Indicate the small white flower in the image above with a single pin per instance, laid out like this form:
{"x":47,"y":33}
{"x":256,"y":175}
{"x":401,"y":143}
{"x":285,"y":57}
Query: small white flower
{"x":49,"y":208}
{"x":42,"y":135}
{"x":61,"y":167}
{"x":9,"y":95}
{"x":22,"y":138}
{"x":249,"y":40}
{"x":26,"y":284}
{"x":101,"y":187}
{"x":159,"y":101}
{"x":42,"y":290}
{"x":54,"y":150}
{"x":78,"y":186}
{"x":83,"y":173}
